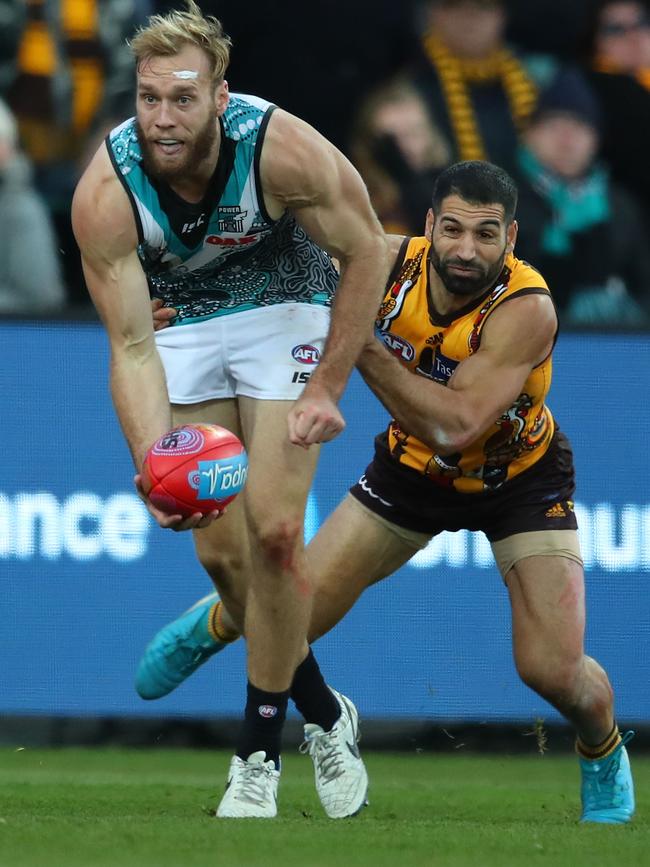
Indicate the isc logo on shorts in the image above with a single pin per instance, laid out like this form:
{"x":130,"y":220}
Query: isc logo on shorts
{"x":306,"y":354}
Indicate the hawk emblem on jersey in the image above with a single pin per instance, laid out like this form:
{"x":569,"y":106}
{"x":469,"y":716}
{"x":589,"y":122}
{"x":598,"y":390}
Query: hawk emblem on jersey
{"x":474,"y":339}
{"x":444,"y":470}
{"x":394,"y":299}
{"x":506,"y":444}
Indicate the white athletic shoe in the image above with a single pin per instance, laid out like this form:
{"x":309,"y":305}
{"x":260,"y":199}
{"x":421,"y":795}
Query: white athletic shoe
{"x":341,"y":777}
{"x":251,"y":790}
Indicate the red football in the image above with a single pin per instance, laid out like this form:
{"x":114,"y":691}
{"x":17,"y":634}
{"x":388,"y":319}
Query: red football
{"x":194,"y":468}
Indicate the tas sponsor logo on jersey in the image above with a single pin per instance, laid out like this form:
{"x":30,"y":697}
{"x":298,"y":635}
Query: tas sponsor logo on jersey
{"x":443,"y":367}
{"x":268,"y":711}
{"x":305,"y":353}
{"x":436,"y":366}
{"x":399,"y":346}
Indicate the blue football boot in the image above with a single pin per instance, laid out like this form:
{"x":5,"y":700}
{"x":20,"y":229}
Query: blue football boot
{"x":607,"y":788}
{"x":178,"y":650}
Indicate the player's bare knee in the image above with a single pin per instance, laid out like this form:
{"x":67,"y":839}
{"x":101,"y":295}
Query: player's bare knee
{"x":279,"y":540}
{"x":225,"y":567}
{"x":557,"y":680}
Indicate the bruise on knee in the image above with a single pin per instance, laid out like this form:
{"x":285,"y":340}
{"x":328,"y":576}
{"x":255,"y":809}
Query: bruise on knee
{"x":282,"y":547}
{"x":279,"y":544}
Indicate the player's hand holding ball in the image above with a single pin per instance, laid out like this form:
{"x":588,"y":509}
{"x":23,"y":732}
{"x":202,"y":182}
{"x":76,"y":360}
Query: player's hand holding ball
{"x":190,"y":475}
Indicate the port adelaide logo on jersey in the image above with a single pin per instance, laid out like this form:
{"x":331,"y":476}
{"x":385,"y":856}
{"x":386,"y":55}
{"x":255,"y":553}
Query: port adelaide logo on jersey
{"x":230,"y":218}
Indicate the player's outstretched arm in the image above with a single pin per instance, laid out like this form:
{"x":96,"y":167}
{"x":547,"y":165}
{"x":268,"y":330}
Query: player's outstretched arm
{"x":517,"y":337}
{"x":105,"y":231}
{"x":302,"y":172}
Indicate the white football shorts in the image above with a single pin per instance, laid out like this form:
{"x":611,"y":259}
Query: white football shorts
{"x":268,"y":353}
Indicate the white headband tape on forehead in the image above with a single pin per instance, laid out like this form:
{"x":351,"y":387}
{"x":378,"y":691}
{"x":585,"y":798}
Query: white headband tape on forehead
{"x":185,"y":74}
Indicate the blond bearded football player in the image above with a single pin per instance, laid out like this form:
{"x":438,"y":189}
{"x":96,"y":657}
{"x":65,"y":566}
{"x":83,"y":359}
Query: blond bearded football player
{"x":472,"y":445}
{"x":223,"y":205}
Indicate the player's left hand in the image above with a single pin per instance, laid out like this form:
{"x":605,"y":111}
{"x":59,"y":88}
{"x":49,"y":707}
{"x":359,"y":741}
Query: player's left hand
{"x":314,"y":418}
{"x":162,"y":316}
{"x":177,"y":523}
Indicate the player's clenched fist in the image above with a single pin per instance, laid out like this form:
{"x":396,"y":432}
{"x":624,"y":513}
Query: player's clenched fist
{"x":314,"y":418}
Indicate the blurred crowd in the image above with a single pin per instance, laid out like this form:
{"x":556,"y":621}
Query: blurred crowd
{"x":555,"y":91}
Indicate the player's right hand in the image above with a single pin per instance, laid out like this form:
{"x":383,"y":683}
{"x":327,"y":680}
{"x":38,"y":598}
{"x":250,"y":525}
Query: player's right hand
{"x":175,"y":522}
{"x":314,"y":418}
{"x":162,"y":316}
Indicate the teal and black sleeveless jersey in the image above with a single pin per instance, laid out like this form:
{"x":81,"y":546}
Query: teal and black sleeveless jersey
{"x":224,"y":254}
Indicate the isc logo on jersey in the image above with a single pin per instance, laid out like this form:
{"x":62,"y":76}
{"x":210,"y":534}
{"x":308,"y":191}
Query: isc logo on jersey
{"x":305,"y":353}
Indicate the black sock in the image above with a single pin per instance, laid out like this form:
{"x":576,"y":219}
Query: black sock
{"x":263,"y":721}
{"x":312,"y":696}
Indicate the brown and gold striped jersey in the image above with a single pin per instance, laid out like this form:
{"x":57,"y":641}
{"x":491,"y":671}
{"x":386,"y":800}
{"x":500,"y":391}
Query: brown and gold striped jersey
{"x":432,"y":345}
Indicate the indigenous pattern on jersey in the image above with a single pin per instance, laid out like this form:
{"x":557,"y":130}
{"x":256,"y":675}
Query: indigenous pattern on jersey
{"x":223,"y":254}
{"x":432,"y":345}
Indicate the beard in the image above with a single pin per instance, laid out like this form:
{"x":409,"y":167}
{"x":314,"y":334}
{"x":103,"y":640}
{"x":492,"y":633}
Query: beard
{"x":475,"y":283}
{"x":193,"y":154}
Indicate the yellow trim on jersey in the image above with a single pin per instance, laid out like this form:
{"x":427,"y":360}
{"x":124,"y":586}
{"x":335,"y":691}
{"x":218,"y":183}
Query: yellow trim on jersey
{"x":432,"y":346}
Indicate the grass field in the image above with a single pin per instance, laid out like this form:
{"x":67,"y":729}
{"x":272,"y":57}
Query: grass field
{"x":129,"y":808}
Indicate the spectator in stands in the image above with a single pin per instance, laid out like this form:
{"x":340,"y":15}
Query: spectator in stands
{"x":30,"y":280}
{"x":584,"y":232}
{"x":398,"y":152}
{"x":619,"y":72}
{"x":479,"y":92}
{"x":67,"y":80}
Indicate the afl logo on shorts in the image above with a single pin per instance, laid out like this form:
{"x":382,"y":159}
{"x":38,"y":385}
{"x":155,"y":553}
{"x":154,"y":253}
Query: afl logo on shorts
{"x":306,"y":354}
{"x":267,"y":710}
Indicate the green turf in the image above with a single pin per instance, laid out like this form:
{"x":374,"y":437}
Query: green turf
{"x":128,"y":808}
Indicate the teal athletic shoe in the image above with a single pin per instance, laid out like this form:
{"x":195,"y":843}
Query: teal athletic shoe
{"x":607,"y":788}
{"x":177,"y":651}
